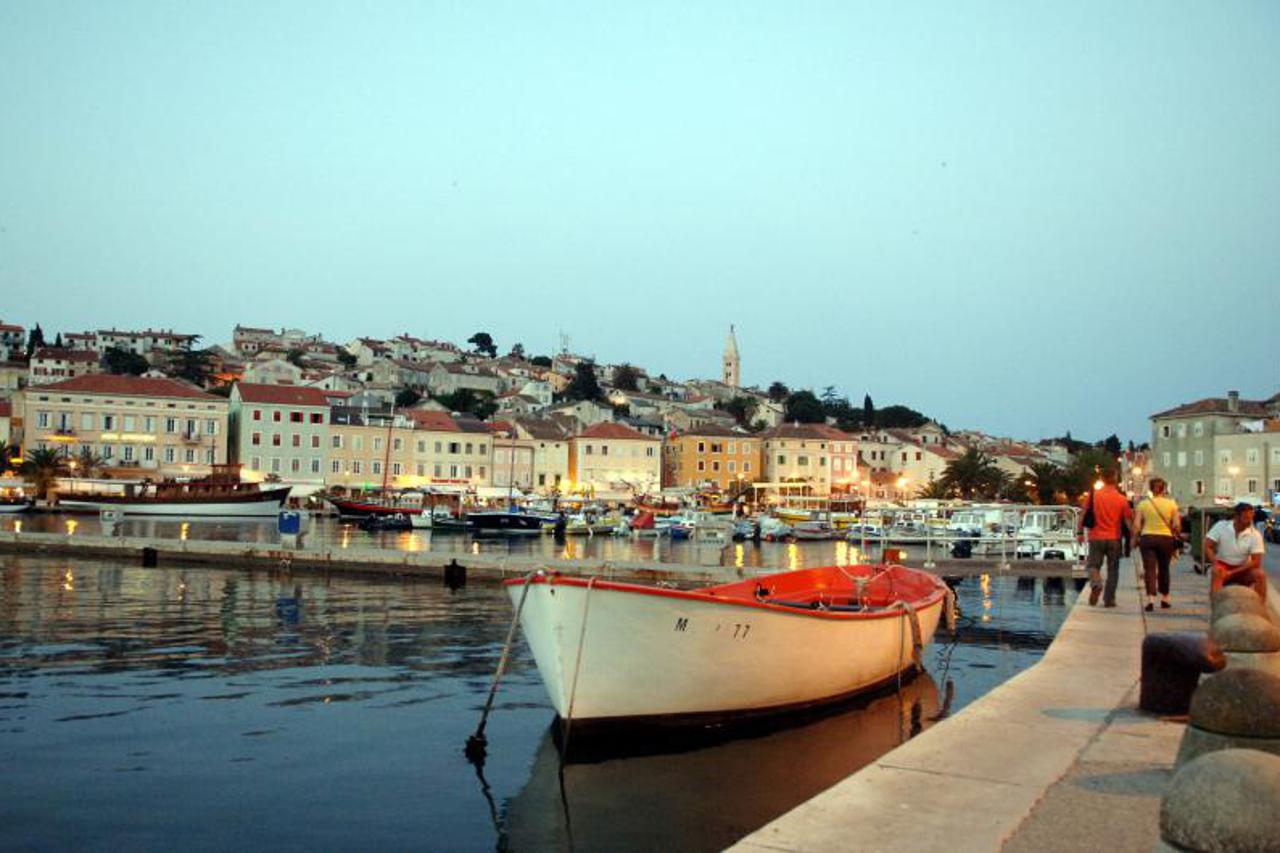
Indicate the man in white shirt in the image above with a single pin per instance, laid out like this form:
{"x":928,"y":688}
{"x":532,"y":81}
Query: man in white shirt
{"x":1235,"y":549}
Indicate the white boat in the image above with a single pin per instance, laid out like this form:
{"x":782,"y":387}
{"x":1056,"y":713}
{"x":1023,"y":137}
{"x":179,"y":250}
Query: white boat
{"x":614,"y":652}
{"x":814,"y":529}
{"x":11,"y":506}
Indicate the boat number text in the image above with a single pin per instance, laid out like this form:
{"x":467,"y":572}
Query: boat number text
{"x":740,"y":629}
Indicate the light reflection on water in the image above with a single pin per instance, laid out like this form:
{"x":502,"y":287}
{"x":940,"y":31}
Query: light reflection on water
{"x":324,"y":532}
{"x":205,"y":708}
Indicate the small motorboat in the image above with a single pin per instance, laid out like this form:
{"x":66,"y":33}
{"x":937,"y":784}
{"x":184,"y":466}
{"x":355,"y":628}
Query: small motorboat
{"x":813,"y":530}
{"x":505,"y":522}
{"x":387,"y":521}
{"x":625,"y":653}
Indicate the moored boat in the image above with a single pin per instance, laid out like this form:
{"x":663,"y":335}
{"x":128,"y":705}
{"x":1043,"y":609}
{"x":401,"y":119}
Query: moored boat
{"x":504,"y":522}
{"x":219,"y":494}
{"x":10,"y":506}
{"x":775,"y":643}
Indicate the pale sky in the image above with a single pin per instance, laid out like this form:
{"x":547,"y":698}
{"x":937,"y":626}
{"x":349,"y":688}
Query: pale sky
{"x":1017,"y":217}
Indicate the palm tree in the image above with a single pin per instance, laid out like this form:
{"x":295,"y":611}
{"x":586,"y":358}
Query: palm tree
{"x":41,"y":468}
{"x":936,"y":490}
{"x":1045,"y":479}
{"x":88,"y":463}
{"x":972,"y":474}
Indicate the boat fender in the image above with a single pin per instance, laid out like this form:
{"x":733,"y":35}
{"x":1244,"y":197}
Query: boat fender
{"x":949,"y":610}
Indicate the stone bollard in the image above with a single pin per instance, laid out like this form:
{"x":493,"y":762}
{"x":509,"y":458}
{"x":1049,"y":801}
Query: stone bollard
{"x":1224,"y":801}
{"x":1248,"y":640}
{"x":1172,"y":664}
{"x":1234,"y":709}
{"x":1235,"y":599}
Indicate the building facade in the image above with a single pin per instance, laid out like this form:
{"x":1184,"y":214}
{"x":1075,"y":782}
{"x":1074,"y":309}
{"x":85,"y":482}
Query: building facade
{"x":714,"y":457}
{"x":138,"y":426}
{"x":280,"y":433}
{"x":613,"y":460}
{"x":1183,"y":445}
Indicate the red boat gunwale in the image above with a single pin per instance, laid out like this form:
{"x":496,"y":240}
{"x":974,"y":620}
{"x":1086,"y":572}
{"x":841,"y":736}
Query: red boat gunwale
{"x":745,"y":590}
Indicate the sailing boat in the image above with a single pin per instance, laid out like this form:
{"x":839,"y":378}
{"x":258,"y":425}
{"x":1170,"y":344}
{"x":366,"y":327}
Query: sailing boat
{"x":512,"y":521}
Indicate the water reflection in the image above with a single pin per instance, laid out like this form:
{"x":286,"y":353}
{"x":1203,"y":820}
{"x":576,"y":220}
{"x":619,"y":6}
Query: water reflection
{"x":344,"y":704}
{"x":619,"y":797}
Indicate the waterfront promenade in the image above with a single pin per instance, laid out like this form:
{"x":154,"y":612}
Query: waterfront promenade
{"x":1056,"y":758}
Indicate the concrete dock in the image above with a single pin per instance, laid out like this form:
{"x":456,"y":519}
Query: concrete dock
{"x":1056,"y":758}
{"x":480,"y":565}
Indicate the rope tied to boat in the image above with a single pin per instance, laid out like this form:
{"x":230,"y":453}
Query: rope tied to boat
{"x":917,"y":636}
{"x":577,"y":663}
{"x":949,"y":610}
{"x":476,"y":744}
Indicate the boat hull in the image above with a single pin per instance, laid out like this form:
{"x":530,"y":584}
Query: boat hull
{"x":13,"y":507}
{"x":360,"y":509}
{"x":665,"y":655}
{"x":504,"y":524}
{"x":264,"y":504}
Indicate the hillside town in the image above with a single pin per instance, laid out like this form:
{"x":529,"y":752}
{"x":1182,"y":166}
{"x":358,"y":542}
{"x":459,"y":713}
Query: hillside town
{"x":405,"y":412}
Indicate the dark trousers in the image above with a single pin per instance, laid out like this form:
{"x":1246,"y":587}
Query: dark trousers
{"x":1157,"y":553}
{"x":1108,"y":549}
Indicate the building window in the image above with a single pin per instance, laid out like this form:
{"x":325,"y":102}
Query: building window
{"x":337,"y":442}
{"x":377,"y":443}
{"x":317,"y":418}
{"x":190,"y":455}
{"x":397,"y":443}
{"x":148,"y":454}
{"x":438,"y":446}
{"x":275,"y":465}
{"x":437,"y":471}
{"x":746,"y":467}
{"x":1182,"y":430}
{"x":604,"y":450}
{"x":422,"y":470}
{"x":782,"y":460}
{"x":128,"y":453}
{"x":375,"y":467}
{"x":357,"y":442}
{"x":481,"y":449}
{"x":395,"y":468}
{"x":454,"y":447}
{"x":1197,"y":428}
{"x":108,"y":422}
{"x":702,"y":466}
{"x":1198,"y":457}
{"x":170,"y":425}
{"x":802,"y":461}
{"x":149,"y":424}
{"x":1251,"y":456}
{"x":1251,"y":486}
{"x":255,"y":438}
{"x":257,"y":414}
{"x":649,"y":451}
{"x":295,"y":465}
{"x":169,"y":454}
{"x":468,"y":448}
{"x":335,"y":466}
{"x":466,"y":472}
{"x":315,"y":442}
{"x":355,"y":466}
{"x":715,"y":465}
{"x":275,"y":439}
{"x":1182,"y":459}
{"x":1166,"y":459}
{"x":422,"y":446}
{"x":1224,"y":457}
{"x":588,"y":450}
{"x":255,"y":464}
{"x":1164,"y":431}
{"x":295,"y":417}
{"x":275,"y":417}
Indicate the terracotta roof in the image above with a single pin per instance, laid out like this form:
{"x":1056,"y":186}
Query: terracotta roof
{"x":612,"y":430}
{"x":126,"y":386}
{"x":427,"y":419}
{"x":542,"y":429}
{"x":796,"y":431}
{"x":9,"y":327}
{"x":282,"y":395}
{"x":1215,"y":406}
{"x":64,"y":354}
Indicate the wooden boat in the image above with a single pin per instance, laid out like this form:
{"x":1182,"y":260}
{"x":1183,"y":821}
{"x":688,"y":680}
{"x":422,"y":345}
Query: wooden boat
{"x":219,"y":494}
{"x":352,"y":508}
{"x":505,"y":522}
{"x":651,"y":655}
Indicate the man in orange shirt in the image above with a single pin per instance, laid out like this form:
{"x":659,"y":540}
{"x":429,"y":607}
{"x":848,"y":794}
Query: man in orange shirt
{"x":1112,"y":514}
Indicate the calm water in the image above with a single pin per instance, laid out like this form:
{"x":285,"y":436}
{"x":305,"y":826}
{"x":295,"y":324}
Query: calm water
{"x":326,"y":532}
{"x":205,"y":708}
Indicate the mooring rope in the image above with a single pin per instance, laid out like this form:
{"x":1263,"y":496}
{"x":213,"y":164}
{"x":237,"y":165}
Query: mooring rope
{"x":476,"y":744}
{"x":577,"y":664}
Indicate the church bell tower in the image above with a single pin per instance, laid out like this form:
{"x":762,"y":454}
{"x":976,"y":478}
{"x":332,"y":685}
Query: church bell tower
{"x":732,"y":364}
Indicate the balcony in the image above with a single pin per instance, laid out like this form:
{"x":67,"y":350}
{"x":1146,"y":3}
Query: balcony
{"x":190,"y":437}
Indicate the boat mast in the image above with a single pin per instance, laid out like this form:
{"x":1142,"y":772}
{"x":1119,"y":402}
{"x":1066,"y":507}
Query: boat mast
{"x":386,"y":456}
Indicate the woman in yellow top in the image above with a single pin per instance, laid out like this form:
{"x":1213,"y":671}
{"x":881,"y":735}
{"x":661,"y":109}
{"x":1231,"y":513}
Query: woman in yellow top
{"x":1157,"y":527}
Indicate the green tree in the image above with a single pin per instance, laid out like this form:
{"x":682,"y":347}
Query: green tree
{"x":407,"y":397}
{"x":936,"y":490}
{"x":122,"y":361}
{"x":778,"y":392}
{"x":541,"y":360}
{"x":195,"y":366}
{"x":1086,"y":466}
{"x":868,"y":411}
{"x":626,"y":378}
{"x":478,"y":403}
{"x":804,"y":407}
{"x":517,"y":351}
{"x":1046,"y":481}
{"x":743,"y":409}
{"x":88,"y":463}
{"x":483,"y":343}
{"x":1112,"y":445}
{"x":57,"y":341}
{"x":584,"y":385}
{"x":972,"y":474}
{"x":295,"y":357}
{"x":346,"y":359}
{"x":899,"y":417}
{"x":42,"y":467}
{"x":35,"y":340}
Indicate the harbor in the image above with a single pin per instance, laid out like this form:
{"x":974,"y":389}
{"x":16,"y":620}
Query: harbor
{"x":196,"y":689}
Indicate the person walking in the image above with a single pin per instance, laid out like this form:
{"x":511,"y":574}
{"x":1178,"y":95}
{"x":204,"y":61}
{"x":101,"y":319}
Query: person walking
{"x":1234,"y":548}
{"x":1107,"y":514}
{"x":1157,"y":527}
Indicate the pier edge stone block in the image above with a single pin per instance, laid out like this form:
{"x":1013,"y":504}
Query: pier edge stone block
{"x":1231,"y":600}
{"x":1172,"y":664}
{"x":1245,"y":632}
{"x":1236,"y":708}
{"x":1225,"y":801}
